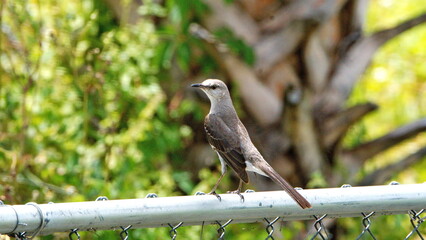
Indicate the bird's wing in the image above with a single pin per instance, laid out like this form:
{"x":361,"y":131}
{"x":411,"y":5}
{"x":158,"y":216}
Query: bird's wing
{"x":226,"y":142}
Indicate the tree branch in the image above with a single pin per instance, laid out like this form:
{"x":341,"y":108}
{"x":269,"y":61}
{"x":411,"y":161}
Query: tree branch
{"x":314,"y":10}
{"x":260,"y":9}
{"x":264,"y":106}
{"x":281,"y":77}
{"x":230,"y":15}
{"x":384,"y":174}
{"x":354,"y":63}
{"x":336,"y":127}
{"x":359,"y":12}
{"x":275,"y":47}
{"x":317,"y":62}
{"x":305,"y":137}
{"x":368,"y":150}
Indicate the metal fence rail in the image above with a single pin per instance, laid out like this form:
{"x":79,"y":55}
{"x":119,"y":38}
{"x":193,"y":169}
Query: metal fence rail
{"x":173,"y":212}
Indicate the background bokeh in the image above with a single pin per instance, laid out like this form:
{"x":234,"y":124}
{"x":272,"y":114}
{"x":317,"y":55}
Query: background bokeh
{"x":95,"y":100}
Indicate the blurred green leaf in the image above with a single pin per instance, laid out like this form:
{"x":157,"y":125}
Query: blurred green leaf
{"x":236,"y":45}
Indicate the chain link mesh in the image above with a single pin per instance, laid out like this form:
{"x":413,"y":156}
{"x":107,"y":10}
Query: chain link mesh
{"x":366,"y":222}
{"x":221,"y":229}
{"x":416,"y":218}
{"x":320,"y":228}
{"x":416,"y":221}
{"x":124,"y":234}
{"x":270,"y":228}
{"x":74,"y":233}
{"x":173,"y":230}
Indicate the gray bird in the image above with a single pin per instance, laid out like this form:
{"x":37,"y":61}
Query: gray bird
{"x":227,"y":135}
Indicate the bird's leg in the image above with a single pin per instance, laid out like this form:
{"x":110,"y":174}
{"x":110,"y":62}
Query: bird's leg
{"x":238,"y":191}
{"x":213,"y":191}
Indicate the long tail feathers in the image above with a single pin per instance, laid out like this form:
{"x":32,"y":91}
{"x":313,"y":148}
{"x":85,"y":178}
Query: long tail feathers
{"x":303,"y":203}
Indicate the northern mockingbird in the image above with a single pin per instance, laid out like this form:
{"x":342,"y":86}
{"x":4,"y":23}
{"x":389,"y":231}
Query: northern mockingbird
{"x":229,"y":138}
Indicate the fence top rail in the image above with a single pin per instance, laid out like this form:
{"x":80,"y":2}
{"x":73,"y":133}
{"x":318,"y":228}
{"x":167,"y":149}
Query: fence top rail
{"x":206,"y":209}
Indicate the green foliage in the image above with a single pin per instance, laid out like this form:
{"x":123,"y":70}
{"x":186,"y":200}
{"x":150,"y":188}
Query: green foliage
{"x":397,"y":227}
{"x":236,"y":45}
{"x":82,"y":110}
{"x":178,"y":44}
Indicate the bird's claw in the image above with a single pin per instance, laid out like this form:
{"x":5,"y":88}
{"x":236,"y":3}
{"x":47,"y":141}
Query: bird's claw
{"x":215,"y":194}
{"x":239,"y":194}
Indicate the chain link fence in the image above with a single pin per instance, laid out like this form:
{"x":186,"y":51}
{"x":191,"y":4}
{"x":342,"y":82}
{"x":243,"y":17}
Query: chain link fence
{"x":32,"y":219}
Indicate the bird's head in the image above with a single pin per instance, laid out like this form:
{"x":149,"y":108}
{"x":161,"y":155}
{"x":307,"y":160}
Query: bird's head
{"x":214,"y":88}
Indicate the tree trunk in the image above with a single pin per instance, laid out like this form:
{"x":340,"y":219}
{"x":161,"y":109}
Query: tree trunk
{"x":309,"y":54}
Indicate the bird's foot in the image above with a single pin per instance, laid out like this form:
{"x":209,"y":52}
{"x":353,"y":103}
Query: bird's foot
{"x":237,"y":192}
{"x":215,"y":194}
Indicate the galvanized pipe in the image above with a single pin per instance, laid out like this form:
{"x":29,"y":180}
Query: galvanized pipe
{"x":194,"y":210}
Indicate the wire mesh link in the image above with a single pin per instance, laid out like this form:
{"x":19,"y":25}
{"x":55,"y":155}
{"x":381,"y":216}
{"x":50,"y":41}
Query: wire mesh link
{"x":101,"y":198}
{"x":319,"y":227}
{"x":270,"y":228}
{"x":42,"y":219}
{"x":221,"y":229}
{"x":20,"y":236}
{"x":23,"y":235}
{"x":151,"y":195}
{"x":74,"y":232}
{"x":124,"y":234}
{"x":367,"y":223}
{"x":173,"y":230}
{"x":416,"y":221}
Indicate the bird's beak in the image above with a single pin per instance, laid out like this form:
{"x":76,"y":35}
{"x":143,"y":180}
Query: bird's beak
{"x":196,"y":85}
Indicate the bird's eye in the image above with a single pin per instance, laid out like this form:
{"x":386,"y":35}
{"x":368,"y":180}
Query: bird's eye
{"x":214,"y":87}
